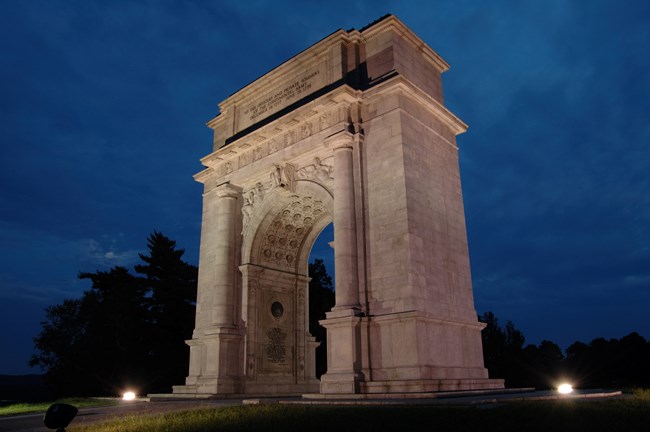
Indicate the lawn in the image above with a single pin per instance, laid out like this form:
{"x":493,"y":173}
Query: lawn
{"x":28,"y":408}
{"x":631,"y":413}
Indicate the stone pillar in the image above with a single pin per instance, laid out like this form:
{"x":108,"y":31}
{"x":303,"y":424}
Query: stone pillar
{"x":225,"y":268}
{"x":216,"y":350}
{"x":345,"y":226}
{"x":343,"y":322}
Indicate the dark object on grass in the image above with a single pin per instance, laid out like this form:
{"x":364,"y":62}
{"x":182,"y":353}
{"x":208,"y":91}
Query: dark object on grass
{"x":59,"y":416}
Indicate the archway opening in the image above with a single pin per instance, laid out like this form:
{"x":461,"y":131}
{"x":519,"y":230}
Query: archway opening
{"x":321,"y":292}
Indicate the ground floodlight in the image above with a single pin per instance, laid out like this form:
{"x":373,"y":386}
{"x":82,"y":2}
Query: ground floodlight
{"x":565,"y":388}
{"x":59,"y":416}
{"x":128,"y":396}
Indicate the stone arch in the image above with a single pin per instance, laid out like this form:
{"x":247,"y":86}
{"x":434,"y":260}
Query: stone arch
{"x":279,"y":350}
{"x":275,"y":203}
{"x":346,"y":123}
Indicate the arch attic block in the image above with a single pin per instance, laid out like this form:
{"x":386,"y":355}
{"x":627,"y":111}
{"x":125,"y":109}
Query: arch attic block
{"x":352,"y":131}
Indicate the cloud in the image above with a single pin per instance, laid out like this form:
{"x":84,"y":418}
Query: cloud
{"x":44,"y":267}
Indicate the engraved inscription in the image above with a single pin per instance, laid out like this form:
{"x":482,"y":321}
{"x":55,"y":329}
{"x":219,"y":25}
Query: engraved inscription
{"x":282,"y":96}
{"x":292,"y":91}
{"x":276,"y":350}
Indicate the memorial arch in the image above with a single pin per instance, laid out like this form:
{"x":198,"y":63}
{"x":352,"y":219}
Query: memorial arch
{"x":352,"y":131}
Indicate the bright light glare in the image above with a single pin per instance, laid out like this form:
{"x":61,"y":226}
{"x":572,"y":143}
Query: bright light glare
{"x":565,"y":388}
{"x":128,"y":396}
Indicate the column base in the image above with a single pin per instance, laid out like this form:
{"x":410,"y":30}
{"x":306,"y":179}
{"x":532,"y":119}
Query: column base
{"x":344,"y":383}
{"x":430,"y":385}
{"x":209,"y":386}
{"x":216,"y":363}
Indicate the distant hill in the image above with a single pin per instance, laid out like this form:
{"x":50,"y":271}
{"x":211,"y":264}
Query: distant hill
{"x":24,"y":388}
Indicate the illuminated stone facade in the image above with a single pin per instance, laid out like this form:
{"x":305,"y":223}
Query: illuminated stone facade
{"x":352,"y":131}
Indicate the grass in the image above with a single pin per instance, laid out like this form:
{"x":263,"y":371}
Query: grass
{"x":627,"y":414}
{"x":41,"y":407}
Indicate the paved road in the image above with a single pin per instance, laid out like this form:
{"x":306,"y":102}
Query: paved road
{"x":34,"y":422}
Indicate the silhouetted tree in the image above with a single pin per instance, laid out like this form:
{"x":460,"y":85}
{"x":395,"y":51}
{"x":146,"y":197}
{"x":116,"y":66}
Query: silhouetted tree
{"x":321,"y":300}
{"x":506,"y":357}
{"x":542,"y":365}
{"x":171,"y":284}
{"x":610,"y":363}
{"x":602,"y":363}
{"x":64,"y":330}
{"x":120,"y":333}
{"x":503,"y":350}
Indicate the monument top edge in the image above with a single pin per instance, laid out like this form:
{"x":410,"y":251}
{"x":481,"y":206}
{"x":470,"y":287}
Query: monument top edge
{"x":320,"y":48}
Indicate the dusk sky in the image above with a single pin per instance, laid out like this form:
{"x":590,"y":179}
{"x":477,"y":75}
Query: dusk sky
{"x":103,"y":107}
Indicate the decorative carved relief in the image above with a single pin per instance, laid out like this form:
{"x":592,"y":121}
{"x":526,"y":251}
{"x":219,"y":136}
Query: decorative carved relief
{"x":273,"y":146}
{"x":259,"y":152}
{"x":250,"y":366}
{"x":296,"y":132}
{"x":301,"y":362}
{"x":318,"y":172}
{"x":251,"y":198}
{"x":252,"y":290}
{"x":290,"y":177}
{"x":284,"y":177}
{"x":326,"y":120}
{"x":306,"y":130}
{"x":289,"y":138}
{"x":301,"y":295}
{"x":245,"y":159}
{"x":284,"y":236}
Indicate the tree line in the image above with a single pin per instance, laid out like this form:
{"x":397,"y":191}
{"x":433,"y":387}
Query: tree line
{"x":602,"y":363}
{"x":129,"y":331}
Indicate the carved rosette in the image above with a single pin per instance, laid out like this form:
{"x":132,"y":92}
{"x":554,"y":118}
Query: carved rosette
{"x":283,"y":238}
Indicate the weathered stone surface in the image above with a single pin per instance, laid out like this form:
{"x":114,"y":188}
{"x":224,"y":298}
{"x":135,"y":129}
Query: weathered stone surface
{"x":352,"y":131}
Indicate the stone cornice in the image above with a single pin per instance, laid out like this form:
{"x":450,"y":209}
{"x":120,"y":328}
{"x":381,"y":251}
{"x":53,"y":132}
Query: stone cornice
{"x":400,"y":83}
{"x":319,"y":52}
{"x":289,"y":67}
{"x":318,"y":109}
{"x":393,"y":23}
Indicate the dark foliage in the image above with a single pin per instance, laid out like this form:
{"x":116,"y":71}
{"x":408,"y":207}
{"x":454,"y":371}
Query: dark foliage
{"x":611,"y":363}
{"x":172,"y":286}
{"x":602,"y":363}
{"x":126,"y":330}
{"x":321,"y":300}
{"x":24,"y":388}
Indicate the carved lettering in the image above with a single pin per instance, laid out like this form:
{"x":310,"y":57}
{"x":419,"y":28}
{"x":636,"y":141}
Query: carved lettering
{"x":276,"y":350}
{"x":281,"y":97}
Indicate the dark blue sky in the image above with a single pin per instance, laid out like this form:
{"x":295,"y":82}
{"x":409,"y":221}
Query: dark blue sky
{"x":102,"y":112}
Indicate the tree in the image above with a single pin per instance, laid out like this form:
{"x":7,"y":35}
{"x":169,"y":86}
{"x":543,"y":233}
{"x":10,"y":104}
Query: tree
{"x":610,"y":363}
{"x":126,"y":330}
{"x":321,"y":300}
{"x":602,"y":363}
{"x":502,"y":349}
{"x":62,"y":330}
{"x":172,"y":284}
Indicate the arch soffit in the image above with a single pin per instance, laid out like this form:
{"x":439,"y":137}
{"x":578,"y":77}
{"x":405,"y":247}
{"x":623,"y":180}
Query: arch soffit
{"x":276,"y":202}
